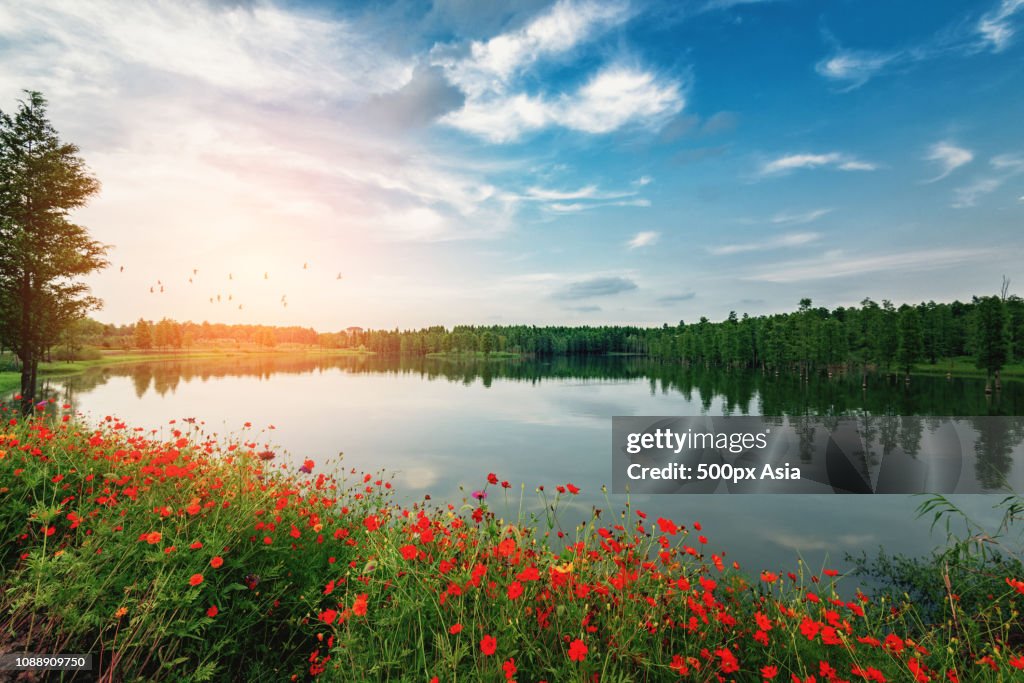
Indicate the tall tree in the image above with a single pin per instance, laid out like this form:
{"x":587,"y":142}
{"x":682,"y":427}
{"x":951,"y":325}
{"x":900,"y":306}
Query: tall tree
{"x":910,"y":347}
{"x":42,"y":252}
{"x":991,"y":337}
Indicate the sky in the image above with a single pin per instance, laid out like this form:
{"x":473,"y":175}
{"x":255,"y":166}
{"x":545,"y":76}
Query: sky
{"x":403,"y":164}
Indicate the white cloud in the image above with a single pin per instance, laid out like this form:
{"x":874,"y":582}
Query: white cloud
{"x":560,"y":207}
{"x":1009,"y":162}
{"x":1006,"y":167}
{"x":854,"y":67}
{"x":643,"y":239}
{"x":588,"y":192}
{"x":490,"y":65}
{"x":795,"y":239}
{"x":835,"y":265}
{"x":949,"y":157}
{"x":800,"y":218}
{"x":792,"y":162}
{"x":996,"y":27}
{"x":616,"y":96}
{"x":643,"y":180}
{"x":262,"y":52}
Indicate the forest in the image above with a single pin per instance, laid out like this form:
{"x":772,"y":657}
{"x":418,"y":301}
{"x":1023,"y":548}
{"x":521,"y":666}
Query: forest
{"x":872,"y":336}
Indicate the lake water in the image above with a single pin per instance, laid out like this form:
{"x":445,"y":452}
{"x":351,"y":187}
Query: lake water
{"x":441,"y":426}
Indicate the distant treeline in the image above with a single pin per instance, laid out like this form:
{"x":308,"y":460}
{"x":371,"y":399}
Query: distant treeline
{"x":989,"y":329}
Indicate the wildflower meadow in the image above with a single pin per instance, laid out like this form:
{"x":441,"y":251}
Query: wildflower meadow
{"x":182,"y":555}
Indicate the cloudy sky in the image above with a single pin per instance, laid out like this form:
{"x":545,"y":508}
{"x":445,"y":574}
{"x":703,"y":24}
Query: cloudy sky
{"x":582,"y":161}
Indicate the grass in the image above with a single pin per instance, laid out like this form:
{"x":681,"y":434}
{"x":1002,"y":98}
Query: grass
{"x":478,"y":355}
{"x":964,"y":366}
{"x":180,"y":556}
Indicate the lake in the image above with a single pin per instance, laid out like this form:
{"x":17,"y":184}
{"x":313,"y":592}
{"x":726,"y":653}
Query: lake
{"x":440,"y":426}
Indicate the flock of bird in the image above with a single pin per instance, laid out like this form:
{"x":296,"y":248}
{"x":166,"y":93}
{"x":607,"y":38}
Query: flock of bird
{"x":158,"y":288}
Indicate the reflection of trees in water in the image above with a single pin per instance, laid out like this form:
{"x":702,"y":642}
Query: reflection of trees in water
{"x":911,"y":430}
{"x":740,"y":391}
{"x":994,"y":444}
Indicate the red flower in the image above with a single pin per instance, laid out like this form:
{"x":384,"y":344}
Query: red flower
{"x":195,"y":579}
{"x":572,"y":489}
{"x":492,"y":478}
{"x":371,"y":523}
{"x":770,"y":671}
{"x":455,"y":629}
{"x":488,"y":645}
{"x":578,"y":650}
{"x":359,"y":607}
{"x":509,"y":667}
{"x":212,"y":612}
{"x":515,"y":590}
{"x":328,"y":616}
{"x":216,"y":562}
{"x":408,"y":552}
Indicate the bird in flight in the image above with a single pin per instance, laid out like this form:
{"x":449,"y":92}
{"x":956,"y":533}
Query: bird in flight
{"x":229,"y":297}
{"x":211,"y":299}
{"x":239,"y":306}
{"x":195,"y":271}
{"x":161,"y":289}
{"x":218,"y":298}
{"x":339,"y":277}
{"x":150,"y":290}
{"x":122,"y":269}
{"x":190,"y":280}
{"x":305,"y":266}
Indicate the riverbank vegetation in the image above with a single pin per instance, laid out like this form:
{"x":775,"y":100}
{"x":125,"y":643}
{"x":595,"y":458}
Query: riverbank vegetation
{"x":173,"y":551}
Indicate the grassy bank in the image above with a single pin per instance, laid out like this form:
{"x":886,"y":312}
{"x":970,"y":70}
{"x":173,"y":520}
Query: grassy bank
{"x":11,"y":380}
{"x":189,"y":558}
{"x":965,"y":366}
{"x":474,"y":355}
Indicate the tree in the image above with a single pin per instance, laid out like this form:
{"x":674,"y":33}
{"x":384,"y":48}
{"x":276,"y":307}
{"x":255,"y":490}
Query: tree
{"x":42,"y":252}
{"x":910,"y":347}
{"x":143,"y":335}
{"x":991,"y":337}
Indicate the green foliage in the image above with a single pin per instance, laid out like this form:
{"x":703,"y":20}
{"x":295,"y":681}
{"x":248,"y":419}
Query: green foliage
{"x":42,"y":252}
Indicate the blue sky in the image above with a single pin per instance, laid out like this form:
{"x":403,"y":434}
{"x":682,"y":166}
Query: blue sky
{"x":588,"y":161}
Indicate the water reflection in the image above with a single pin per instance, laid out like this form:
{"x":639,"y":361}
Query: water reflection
{"x":741,"y":392}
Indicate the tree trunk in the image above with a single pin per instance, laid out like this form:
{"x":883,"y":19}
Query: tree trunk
{"x":29,"y":372}
{"x":999,"y":384}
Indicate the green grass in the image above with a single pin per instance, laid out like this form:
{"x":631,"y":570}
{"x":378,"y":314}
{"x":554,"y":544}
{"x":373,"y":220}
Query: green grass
{"x":963,"y":366}
{"x":477,"y":355}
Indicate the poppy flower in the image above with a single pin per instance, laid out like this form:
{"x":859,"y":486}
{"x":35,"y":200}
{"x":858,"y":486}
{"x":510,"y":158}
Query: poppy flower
{"x":195,"y":579}
{"x":359,"y":607}
{"x":216,"y":562}
{"x":455,"y":629}
{"x":578,"y":650}
{"x":488,"y":645}
{"x":212,"y":612}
